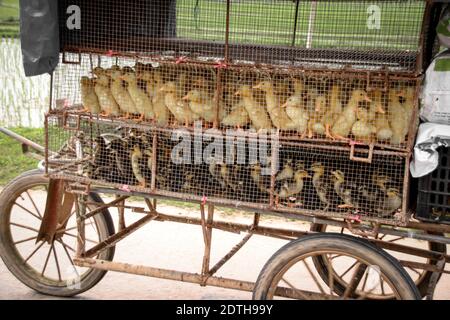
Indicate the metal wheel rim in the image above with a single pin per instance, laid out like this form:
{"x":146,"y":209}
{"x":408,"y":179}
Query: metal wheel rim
{"x":343,"y":283}
{"x":279,"y":276}
{"x":51,"y":253}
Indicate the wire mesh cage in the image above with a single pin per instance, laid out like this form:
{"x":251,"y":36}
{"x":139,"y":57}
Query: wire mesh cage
{"x":331,"y":107}
{"x":294,"y":106}
{"x":323,"y":34}
{"x":240,"y":169}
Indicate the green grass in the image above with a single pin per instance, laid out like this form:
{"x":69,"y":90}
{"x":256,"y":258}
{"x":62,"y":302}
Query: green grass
{"x":337,"y":24}
{"x":9,"y":18}
{"x":12,"y":161}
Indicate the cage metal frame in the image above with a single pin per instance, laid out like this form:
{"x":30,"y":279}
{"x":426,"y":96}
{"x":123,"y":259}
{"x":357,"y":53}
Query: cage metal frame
{"x":230,"y":53}
{"x":60,"y":170}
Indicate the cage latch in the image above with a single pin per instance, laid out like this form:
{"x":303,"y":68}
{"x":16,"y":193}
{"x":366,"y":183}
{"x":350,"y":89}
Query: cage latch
{"x":369,"y":157}
{"x":352,"y":223}
{"x":73,"y":125}
{"x":78,"y":188}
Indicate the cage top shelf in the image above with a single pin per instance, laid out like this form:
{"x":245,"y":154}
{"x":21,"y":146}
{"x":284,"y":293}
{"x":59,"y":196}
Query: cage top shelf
{"x":367,"y":35}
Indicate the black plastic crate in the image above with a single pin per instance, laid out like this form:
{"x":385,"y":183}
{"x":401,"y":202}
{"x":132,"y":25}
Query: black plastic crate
{"x":433,"y":202}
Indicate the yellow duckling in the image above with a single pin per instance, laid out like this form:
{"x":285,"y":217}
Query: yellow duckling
{"x":180,"y":111}
{"x":120,"y":93}
{"x":334,"y":111}
{"x":160,"y":110}
{"x":398,"y":118}
{"x":238,"y":116}
{"x":381,"y":120}
{"x":140,"y":98}
{"x":106,"y":100}
{"x":343,"y":125}
{"x":203,"y":106}
{"x":88,"y":96}
{"x":258,"y":116}
{"x":297,"y":113}
{"x":278,"y":115}
{"x":408,"y":105}
{"x":363,"y":129}
{"x":315,"y":125}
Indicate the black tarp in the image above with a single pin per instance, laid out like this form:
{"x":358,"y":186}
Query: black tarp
{"x":105,"y":25}
{"x":39,"y":36}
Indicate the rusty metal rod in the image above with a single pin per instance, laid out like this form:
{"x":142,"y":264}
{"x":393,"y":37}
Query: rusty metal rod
{"x":312,"y":218}
{"x":22,"y":140}
{"x":105,"y":206}
{"x":112,"y":240}
{"x":189,"y":277}
{"x":285,"y":234}
{"x":230,"y":254}
{"x":424,"y":266}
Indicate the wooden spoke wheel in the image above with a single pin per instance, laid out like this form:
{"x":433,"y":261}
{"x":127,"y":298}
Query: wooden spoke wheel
{"x":420,"y":277}
{"x":46,"y":267}
{"x":290,"y":273}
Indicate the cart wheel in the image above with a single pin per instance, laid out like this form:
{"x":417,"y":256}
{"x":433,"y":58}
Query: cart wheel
{"x":46,"y":268}
{"x":420,"y":277}
{"x":290,"y":272}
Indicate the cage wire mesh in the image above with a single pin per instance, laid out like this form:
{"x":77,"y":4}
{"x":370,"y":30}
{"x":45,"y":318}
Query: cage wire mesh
{"x":324,"y":34}
{"x":252,"y":171}
{"x":141,"y":80}
{"x":303,"y":105}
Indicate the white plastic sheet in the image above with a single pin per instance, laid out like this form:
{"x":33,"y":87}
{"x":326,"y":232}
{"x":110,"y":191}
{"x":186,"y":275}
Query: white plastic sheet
{"x":430,"y":136}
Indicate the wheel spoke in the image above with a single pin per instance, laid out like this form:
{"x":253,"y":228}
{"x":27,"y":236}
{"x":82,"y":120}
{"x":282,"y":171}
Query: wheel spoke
{"x":34,"y":251}
{"x":313,"y":276}
{"x":56,"y":260}
{"x":355,"y":280}
{"x":68,"y":256}
{"x":305,"y":297}
{"x":24,"y":226}
{"x":34,"y":204}
{"x":346,"y":271}
{"x":335,"y":256}
{"x":365,"y":282}
{"x":382,"y":286}
{"x":30,"y":212}
{"x":46,"y":261}
{"x":67,"y":246}
{"x":74,"y":236}
{"x":330,"y":275}
{"x":24,"y":240}
{"x":396,"y":239}
{"x":72,"y":228}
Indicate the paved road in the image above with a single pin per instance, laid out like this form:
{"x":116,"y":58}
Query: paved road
{"x":180,"y":247}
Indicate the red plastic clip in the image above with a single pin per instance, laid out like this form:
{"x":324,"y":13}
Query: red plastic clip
{"x":221,"y":65}
{"x":204,"y":199}
{"x":125,"y":188}
{"x":355,"y":143}
{"x":110,"y":53}
{"x":355,"y":218}
{"x":181,"y":59}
